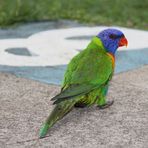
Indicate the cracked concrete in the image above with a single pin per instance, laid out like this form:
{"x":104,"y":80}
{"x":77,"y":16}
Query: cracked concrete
{"x":25,"y":104}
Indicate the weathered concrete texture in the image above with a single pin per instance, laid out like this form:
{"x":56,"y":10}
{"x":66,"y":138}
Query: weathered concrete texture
{"x":24,"y":105}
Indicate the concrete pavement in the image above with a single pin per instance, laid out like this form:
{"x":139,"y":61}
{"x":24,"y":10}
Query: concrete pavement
{"x":25,"y":104}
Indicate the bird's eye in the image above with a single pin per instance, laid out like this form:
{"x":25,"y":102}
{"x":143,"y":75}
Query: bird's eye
{"x":113,"y":36}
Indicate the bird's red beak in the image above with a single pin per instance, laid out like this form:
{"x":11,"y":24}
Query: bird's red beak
{"x":123,"y":42}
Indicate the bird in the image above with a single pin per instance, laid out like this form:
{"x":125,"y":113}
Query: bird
{"x":87,"y":78}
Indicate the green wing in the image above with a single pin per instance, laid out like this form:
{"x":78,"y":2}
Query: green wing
{"x":89,"y":70}
{"x":73,"y":91}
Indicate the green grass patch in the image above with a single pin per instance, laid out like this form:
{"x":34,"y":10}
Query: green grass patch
{"x":130,"y":13}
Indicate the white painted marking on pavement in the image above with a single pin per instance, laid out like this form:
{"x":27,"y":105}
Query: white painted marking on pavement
{"x":53,"y":48}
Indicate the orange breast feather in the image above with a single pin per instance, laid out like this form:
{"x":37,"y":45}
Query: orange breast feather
{"x":112,"y":58}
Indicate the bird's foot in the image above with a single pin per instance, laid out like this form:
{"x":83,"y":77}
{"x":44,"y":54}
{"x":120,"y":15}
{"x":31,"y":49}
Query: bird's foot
{"x":108,"y":104}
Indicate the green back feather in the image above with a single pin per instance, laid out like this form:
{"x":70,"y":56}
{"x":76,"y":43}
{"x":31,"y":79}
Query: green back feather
{"x":88,"y":70}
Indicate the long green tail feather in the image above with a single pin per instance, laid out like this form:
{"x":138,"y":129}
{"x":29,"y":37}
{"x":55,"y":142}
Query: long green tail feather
{"x":44,"y":130}
{"x":58,"y":112}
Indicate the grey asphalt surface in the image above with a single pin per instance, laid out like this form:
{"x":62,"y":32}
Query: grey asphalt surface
{"x":27,"y":29}
{"x":25,"y":104}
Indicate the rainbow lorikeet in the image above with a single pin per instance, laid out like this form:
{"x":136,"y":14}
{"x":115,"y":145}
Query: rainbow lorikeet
{"x":87,"y":77}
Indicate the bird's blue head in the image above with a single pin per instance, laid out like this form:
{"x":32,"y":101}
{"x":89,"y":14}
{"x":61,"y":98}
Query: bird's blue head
{"x":112,"y":39}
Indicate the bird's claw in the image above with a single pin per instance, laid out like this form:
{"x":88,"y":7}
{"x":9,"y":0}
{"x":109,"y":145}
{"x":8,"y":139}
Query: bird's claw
{"x":108,"y":104}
